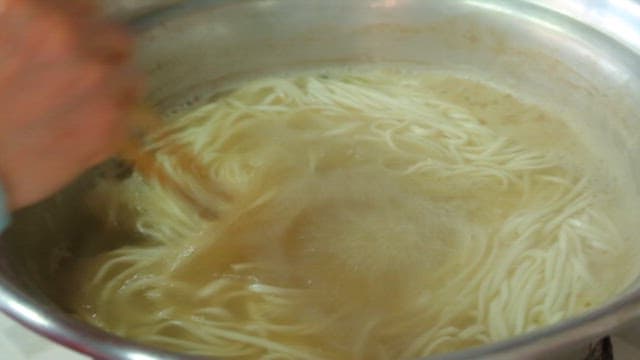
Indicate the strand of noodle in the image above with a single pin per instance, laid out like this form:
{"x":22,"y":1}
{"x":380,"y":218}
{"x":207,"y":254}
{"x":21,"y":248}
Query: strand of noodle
{"x":217,"y":313}
{"x":496,"y":320}
{"x":556,"y":274}
{"x":578,"y":205}
{"x":531,"y":283}
{"x":495,"y":288}
{"x":360,"y":343}
{"x":108,"y":267}
{"x":223,"y":348}
{"x":256,"y":341}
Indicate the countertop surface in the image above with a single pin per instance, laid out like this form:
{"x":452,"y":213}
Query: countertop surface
{"x":18,"y":343}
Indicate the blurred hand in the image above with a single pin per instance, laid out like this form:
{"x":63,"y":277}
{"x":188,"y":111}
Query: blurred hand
{"x":65,"y":88}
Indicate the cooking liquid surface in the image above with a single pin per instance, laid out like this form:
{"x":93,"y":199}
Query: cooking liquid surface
{"x":372,"y":214}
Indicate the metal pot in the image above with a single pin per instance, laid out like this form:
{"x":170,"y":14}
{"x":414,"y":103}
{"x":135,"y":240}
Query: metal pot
{"x":581,"y":58}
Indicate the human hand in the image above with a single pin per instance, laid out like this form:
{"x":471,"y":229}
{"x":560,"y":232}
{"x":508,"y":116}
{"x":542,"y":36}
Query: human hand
{"x":65,"y":88}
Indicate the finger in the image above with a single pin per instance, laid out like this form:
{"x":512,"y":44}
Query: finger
{"x":74,"y":8}
{"x":72,"y":27}
{"x":38,"y":91}
{"x":39,"y":162}
{"x":112,"y":101}
{"x":19,"y":44}
{"x":98,"y":37}
{"x":94,"y":131}
{"x":85,"y":124}
{"x":55,"y":34}
{"x":107,"y":42}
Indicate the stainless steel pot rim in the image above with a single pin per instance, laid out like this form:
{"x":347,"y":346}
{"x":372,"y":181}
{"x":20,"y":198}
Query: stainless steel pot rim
{"x":617,"y":19}
{"x":99,"y":344}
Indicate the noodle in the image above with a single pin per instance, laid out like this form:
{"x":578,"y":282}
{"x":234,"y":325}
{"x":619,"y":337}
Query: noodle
{"x":359,"y":215}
